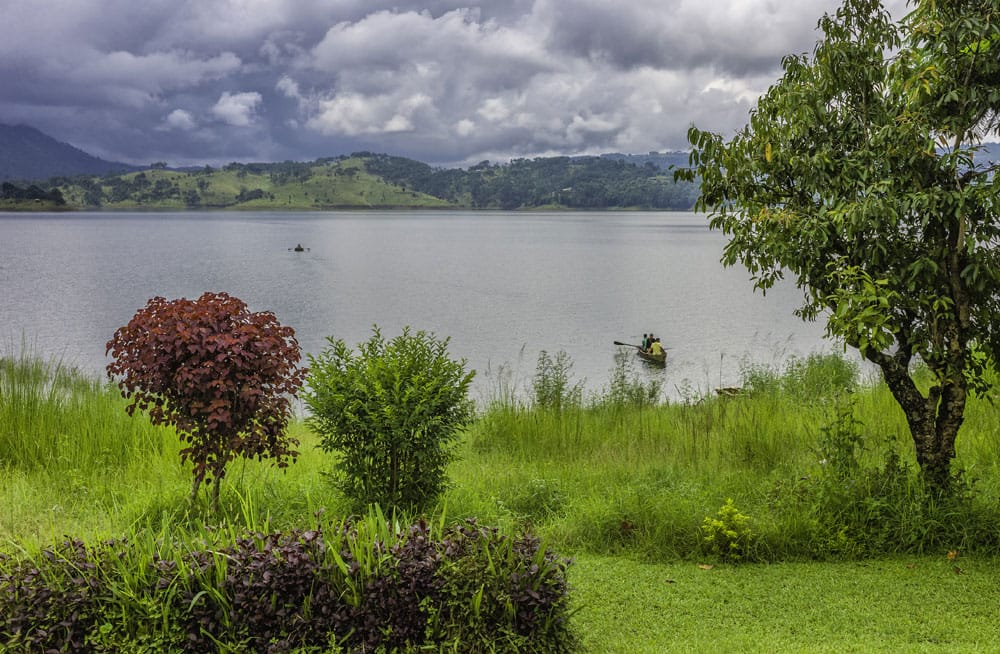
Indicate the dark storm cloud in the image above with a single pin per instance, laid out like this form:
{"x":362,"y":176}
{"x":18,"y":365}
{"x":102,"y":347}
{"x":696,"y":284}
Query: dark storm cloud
{"x":212,"y":81}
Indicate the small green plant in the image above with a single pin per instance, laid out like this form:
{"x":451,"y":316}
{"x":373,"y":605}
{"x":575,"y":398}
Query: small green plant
{"x":392,"y":412}
{"x":626,"y":389}
{"x":551,"y":386}
{"x":841,"y":445}
{"x":728,"y":535}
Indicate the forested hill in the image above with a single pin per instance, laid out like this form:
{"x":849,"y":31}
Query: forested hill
{"x":368,"y":180}
{"x":575,"y":182}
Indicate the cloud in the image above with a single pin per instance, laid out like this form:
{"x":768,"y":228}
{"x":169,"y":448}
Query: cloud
{"x":443,"y":81}
{"x":352,"y":114}
{"x":289,"y":88}
{"x":237,"y":109}
{"x":180,"y":119}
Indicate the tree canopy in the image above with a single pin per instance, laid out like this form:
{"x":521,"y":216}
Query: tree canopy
{"x":855,"y":176}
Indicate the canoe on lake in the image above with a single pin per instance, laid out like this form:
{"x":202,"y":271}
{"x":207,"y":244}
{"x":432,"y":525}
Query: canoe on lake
{"x":655,"y":359}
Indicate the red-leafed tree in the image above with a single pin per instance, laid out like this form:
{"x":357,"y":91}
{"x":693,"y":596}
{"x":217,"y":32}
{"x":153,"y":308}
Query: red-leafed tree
{"x":221,"y":375}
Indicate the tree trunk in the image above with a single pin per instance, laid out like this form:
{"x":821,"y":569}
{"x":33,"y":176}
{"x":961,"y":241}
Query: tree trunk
{"x":194,"y":488}
{"x":933,"y":420}
{"x":215,"y":494}
{"x":936,"y":464}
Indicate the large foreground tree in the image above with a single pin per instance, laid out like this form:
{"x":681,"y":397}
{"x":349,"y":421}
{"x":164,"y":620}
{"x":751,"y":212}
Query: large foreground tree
{"x":856,"y":176}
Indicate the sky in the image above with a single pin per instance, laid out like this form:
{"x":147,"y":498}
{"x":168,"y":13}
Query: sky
{"x":192,"y":82}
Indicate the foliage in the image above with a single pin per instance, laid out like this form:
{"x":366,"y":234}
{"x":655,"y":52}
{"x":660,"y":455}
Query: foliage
{"x":627,"y":388}
{"x":594,"y":479}
{"x":856,"y":175}
{"x":392,"y":412}
{"x":816,"y":377}
{"x":552,"y":385}
{"x":728,"y":534}
{"x":574,"y":182}
{"x":363,"y":585}
{"x":9,"y":191}
{"x":866,"y":500}
{"x":217,"y":372}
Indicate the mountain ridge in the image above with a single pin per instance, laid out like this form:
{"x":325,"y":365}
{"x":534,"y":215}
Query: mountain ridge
{"x":28,"y":154}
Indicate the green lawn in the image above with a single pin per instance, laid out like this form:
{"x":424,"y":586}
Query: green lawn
{"x":900,"y":604}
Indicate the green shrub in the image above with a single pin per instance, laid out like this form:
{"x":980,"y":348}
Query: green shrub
{"x":392,"y":412}
{"x":728,"y":535}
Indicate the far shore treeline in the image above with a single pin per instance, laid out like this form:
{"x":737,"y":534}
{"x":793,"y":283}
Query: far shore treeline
{"x":366,"y":180}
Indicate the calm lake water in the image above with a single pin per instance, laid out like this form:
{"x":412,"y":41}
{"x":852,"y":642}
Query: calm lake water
{"x":504,"y":286}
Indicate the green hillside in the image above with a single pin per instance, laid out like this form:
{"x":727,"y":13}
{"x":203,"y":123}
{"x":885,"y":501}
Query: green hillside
{"x":377,"y":181}
{"x":323,"y":184}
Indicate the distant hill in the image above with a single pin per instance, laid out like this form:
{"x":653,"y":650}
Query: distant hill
{"x":366,"y":180}
{"x":27,"y":154}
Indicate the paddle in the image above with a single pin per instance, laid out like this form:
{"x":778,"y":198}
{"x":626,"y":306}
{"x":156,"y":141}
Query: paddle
{"x":635,"y":346}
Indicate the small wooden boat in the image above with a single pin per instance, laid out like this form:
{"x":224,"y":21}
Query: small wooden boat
{"x":649,"y":357}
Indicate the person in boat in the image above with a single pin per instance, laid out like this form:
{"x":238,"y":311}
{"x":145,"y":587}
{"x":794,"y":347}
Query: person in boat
{"x":656,"y":348}
{"x":645,"y":342}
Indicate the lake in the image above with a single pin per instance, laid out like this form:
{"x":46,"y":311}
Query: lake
{"x":503,"y":285}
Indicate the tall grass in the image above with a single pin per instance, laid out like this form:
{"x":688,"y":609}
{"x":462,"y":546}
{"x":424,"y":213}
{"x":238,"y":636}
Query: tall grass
{"x":73,"y":462}
{"x":614,"y":473}
{"x":608,"y":477}
{"x":56,"y":418}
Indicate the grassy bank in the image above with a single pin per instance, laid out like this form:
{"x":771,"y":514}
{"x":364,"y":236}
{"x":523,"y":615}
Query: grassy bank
{"x":820,"y":467}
